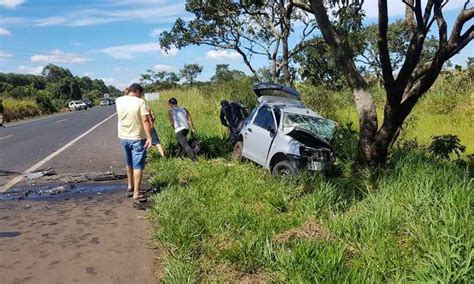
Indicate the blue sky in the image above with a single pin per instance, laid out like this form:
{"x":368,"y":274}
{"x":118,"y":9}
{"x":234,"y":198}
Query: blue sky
{"x":116,"y":40}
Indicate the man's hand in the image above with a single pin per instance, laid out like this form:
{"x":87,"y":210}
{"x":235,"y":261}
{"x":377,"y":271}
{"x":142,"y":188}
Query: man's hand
{"x":148,"y":144}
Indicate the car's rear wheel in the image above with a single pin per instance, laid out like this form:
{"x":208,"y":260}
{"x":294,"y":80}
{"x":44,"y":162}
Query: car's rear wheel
{"x":285,"y":168}
{"x":237,"y":153}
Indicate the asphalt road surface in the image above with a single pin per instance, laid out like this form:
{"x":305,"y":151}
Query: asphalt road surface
{"x":97,"y":237}
{"x":26,"y":144}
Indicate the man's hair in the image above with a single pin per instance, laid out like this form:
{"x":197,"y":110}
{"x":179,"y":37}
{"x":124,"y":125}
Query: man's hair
{"x":173,"y":101}
{"x":135,"y":88}
{"x":224,"y":103}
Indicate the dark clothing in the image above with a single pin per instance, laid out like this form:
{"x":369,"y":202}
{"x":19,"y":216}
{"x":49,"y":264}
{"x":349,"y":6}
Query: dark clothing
{"x":232,"y":114}
{"x":155,"y":139}
{"x":183,"y":142}
{"x":2,"y":108}
{"x":234,"y":134}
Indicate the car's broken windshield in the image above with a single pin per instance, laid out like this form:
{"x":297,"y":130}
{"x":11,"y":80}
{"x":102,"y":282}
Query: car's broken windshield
{"x":322,"y":127}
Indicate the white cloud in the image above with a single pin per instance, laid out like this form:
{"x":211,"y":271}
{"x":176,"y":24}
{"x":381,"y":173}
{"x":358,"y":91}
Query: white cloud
{"x":128,"y":51}
{"x":156,"y":32}
{"x":5,"y":32}
{"x":222,"y":54}
{"x":88,"y":74}
{"x":120,"y":69}
{"x":4,"y":54}
{"x":163,"y":67}
{"x":57,"y":56}
{"x":89,"y":21}
{"x":104,"y":13}
{"x":170,"y":52}
{"x":13,"y":20}
{"x":76,"y":43}
{"x":50,"y":21}
{"x":35,"y":70}
{"x":11,"y":4}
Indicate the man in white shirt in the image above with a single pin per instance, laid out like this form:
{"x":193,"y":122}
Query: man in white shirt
{"x":134,"y":131}
{"x":181,"y":121}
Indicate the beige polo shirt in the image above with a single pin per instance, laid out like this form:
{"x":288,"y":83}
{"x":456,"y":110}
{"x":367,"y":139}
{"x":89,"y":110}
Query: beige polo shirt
{"x":130,"y":110}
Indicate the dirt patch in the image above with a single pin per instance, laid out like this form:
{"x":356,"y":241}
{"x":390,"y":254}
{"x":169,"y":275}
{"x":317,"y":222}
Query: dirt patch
{"x":310,"y":230}
{"x":254,"y":278}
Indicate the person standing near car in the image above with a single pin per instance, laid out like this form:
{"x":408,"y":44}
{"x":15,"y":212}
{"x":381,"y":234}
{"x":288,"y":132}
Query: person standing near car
{"x":134,"y":131}
{"x":2,"y":110}
{"x":181,"y":121}
{"x":232,"y":116}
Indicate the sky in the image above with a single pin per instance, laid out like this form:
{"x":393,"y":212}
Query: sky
{"x":117,"y":40}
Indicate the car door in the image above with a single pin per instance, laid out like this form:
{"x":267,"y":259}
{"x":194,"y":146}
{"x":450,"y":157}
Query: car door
{"x":258,"y":136}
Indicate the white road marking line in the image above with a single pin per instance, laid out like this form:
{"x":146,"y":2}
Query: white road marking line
{"x":6,"y":137}
{"x":36,"y":166}
{"x":61,"y":120}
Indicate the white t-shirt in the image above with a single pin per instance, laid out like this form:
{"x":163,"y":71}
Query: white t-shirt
{"x":130,"y":110}
{"x":180,"y":118}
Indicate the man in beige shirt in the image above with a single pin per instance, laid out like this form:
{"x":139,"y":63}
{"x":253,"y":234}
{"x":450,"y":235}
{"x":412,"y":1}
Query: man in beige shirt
{"x":134,"y":131}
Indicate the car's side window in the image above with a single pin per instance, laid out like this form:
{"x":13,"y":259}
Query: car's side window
{"x":264,"y":119}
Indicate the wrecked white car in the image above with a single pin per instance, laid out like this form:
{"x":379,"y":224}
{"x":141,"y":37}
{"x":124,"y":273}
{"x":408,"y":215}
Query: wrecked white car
{"x":283,"y":135}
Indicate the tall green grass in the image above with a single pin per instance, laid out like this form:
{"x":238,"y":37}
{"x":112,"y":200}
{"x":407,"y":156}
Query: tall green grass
{"x":217,"y":221}
{"x":19,"y":109}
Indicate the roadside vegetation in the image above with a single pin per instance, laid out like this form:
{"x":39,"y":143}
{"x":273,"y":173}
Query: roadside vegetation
{"x":219,"y":221}
{"x":27,"y":95}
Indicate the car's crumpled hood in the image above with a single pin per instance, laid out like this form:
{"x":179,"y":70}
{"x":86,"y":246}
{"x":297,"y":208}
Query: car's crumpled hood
{"x":308,"y":138}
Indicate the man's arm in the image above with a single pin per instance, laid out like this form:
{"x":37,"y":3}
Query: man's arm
{"x":223,"y":120}
{"x":147,"y":126}
{"x":170,"y":118}
{"x":190,"y":121}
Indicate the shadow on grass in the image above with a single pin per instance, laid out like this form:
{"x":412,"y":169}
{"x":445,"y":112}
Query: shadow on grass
{"x":210,"y":147}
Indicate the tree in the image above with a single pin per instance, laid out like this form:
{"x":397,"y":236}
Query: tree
{"x":414,"y":78}
{"x":85,"y":83}
{"x":317,"y":65}
{"x":190,"y":72}
{"x":114,"y":92}
{"x":53,"y":73}
{"x":99,"y":85}
{"x":64,"y":90}
{"x":159,"y":80}
{"x":224,"y":74}
{"x":250,"y":28}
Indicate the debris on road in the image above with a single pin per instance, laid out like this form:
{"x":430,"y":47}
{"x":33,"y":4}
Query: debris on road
{"x":40,"y":173}
{"x":54,"y":191}
{"x":107,"y":176}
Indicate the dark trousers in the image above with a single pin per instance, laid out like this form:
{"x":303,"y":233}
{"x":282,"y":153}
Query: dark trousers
{"x":183,"y":142}
{"x":234,"y":134}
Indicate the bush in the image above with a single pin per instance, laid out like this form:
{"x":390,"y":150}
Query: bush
{"x":20,"y":109}
{"x":445,"y":145}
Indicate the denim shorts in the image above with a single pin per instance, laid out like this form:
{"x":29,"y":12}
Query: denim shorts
{"x":155,"y":139}
{"x":135,"y":153}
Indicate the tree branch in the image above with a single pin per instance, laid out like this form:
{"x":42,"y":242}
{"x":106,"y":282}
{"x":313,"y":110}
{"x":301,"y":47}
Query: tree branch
{"x":384,"y":53}
{"x":410,"y":19}
{"x":303,"y":6}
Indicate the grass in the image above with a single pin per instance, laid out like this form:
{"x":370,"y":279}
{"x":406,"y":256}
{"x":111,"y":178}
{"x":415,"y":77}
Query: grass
{"x":19,"y":109}
{"x":217,"y":221}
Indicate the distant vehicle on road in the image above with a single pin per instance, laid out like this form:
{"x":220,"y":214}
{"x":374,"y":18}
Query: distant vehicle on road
{"x":283,"y":135}
{"x":88,"y":103}
{"x":77,"y":105}
{"x":107,"y":102}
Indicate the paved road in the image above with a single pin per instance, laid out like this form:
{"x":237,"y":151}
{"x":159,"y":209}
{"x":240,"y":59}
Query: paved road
{"x":88,"y":238}
{"x":23,"y":145}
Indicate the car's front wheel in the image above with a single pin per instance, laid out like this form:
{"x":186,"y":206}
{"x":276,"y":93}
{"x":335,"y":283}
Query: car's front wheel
{"x":237,"y":153}
{"x":285,"y":168}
